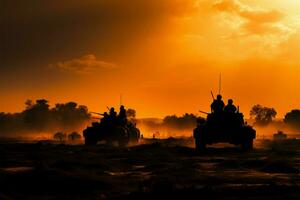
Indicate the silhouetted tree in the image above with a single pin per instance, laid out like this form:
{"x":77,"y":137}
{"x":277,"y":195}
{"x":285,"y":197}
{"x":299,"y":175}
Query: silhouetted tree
{"x":29,"y":104}
{"x":293,"y":119}
{"x":262,"y":115}
{"x":60,"y":136}
{"x":69,"y":115}
{"x":74,"y":136}
{"x":183,"y":122}
{"x":37,"y":116}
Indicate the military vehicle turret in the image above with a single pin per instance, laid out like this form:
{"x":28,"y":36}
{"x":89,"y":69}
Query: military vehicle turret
{"x":224,"y":127}
{"x":112,"y":128}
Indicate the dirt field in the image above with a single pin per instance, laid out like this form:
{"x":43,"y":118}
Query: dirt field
{"x":158,"y":168}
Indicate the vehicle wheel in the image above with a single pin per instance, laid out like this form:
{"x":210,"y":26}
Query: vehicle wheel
{"x":248,"y":144}
{"x":200,"y":144}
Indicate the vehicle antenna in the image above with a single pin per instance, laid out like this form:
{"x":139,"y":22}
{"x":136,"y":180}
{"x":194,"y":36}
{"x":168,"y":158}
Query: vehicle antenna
{"x":220,"y":83}
{"x":121,"y":103}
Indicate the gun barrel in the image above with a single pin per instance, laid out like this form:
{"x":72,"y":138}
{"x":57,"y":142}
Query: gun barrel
{"x":96,"y":118}
{"x":203,"y":112}
{"x":96,"y":113}
{"x":212,"y":94}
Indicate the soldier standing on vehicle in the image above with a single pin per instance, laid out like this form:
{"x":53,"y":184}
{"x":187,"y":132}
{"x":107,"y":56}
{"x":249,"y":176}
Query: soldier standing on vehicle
{"x":105,"y":118}
{"x":230,"y":108}
{"x":112,"y":114}
{"x":217,"y":105}
{"x":122,"y":114}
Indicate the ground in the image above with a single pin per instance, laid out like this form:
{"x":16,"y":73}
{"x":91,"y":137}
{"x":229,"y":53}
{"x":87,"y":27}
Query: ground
{"x":157,"y":168}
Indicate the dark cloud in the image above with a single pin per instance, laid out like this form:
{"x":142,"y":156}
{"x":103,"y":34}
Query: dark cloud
{"x":40,"y":32}
{"x":85,"y":64}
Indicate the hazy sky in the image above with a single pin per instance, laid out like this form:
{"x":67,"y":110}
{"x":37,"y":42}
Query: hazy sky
{"x":163,"y":56}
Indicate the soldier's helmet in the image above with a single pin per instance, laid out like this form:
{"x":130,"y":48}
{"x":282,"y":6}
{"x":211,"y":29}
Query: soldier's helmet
{"x":219,"y":97}
{"x":112,"y":111}
{"x":230,"y":101}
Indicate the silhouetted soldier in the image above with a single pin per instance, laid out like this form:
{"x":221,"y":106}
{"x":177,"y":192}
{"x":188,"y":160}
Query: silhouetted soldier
{"x":122,"y":115}
{"x":112,"y":115}
{"x":217,"y":105}
{"x":105,"y":118}
{"x":230,"y":108}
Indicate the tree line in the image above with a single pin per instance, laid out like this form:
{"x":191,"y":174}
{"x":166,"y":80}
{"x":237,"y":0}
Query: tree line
{"x":38,"y":116}
{"x":263,"y":116}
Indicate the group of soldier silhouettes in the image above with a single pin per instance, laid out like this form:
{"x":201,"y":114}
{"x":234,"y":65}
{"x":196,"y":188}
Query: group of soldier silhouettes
{"x":113,"y":118}
{"x":218,"y":106}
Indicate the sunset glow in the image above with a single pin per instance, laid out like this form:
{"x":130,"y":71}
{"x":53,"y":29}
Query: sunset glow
{"x":164,"y":57}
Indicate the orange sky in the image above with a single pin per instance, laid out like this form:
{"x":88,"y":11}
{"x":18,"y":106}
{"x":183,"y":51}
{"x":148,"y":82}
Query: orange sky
{"x":164,"y":56}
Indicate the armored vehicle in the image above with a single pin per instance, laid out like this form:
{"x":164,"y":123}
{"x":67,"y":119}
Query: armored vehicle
{"x":112,"y":128}
{"x":224,"y":127}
